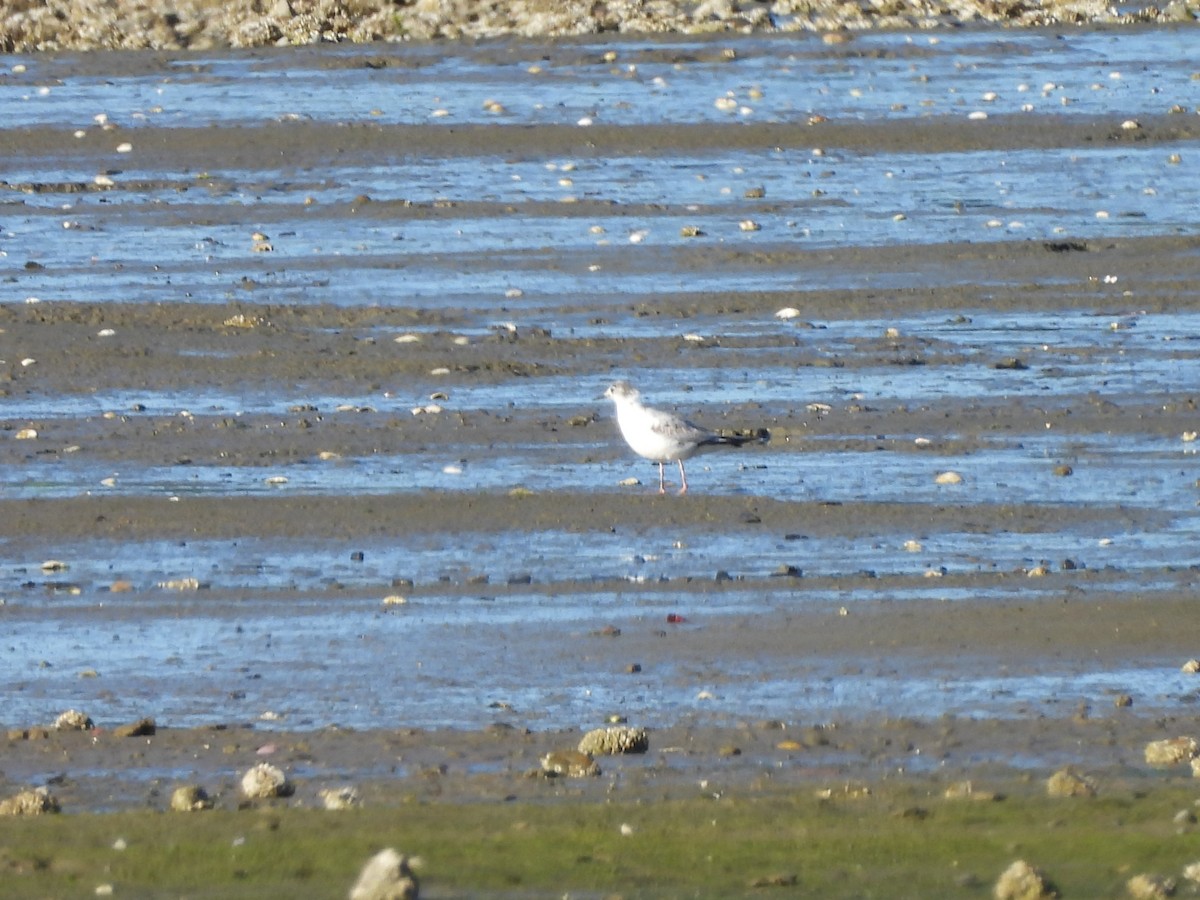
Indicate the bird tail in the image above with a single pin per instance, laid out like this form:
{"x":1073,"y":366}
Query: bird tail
{"x":739,"y":438}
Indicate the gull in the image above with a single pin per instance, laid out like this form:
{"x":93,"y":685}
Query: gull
{"x":662,"y":436}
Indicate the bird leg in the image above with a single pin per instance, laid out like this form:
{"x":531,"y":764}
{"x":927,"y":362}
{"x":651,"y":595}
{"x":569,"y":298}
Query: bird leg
{"x":662,"y":484}
{"x":682,"y":477}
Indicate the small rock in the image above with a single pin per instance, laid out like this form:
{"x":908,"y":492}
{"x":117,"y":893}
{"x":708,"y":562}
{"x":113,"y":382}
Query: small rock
{"x":613,"y":740}
{"x":1011,"y":363}
{"x":1070,"y":783}
{"x":1171,"y":751}
{"x":36,"y":802}
{"x":571,"y":763}
{"x":265,"y":781}
{"x":140,"y":728}
{"x":340,"y":798}
{"x":388,"y":875}
{"x":73,"y":720}
{"x":1150,"y":887}
{"x":190,"y":798}
{"x":948,"y":478}
{"x":1021,"y":881}
{"x":1192,"y":666}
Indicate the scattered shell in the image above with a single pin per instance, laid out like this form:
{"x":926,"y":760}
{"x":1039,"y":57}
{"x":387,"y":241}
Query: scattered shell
{"x":690,"y":231}
{"x":1171,"y":751}
{"x":180,"y":584}
{"x":1069,"y":782}
{"x":241,"y":320}
{"x":340,"y":798}
{"x":1189,"y":436}
{"x":749,"y":225}
{"x":54,"y":565}
{"x":34,"y":802}
{"x":571,"y":763}
{"x":788,"y":312}
{"x":105,"y":332}
{"x":1037,"y":572}
{"x":965,"y":790}
{"x":1192,"y":666}
{"x":613,"y":740}
{"x":407,"y":338}
{"x":190,"y":798}
{"x":428,"y":409}
{"x":276,"y":479}
{"x":388,"y":875}
{"x":913,"y":546}
{"x":125,"y":147}
{"x":1131,"y":125}
{"x":26,"y":434}
{"x":948,"y":478}
{"x":1021,"y":881}
{"x":394,"y":600}
{"x":264,"y":781}
{"x":73,"y":720}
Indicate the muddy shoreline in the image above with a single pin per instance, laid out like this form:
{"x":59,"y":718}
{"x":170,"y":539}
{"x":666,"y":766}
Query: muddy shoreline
{"x":300,"y":431}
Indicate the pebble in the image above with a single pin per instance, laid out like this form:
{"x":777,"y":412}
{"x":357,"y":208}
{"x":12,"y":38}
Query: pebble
{"x":190,"y":798}
{"x":73,"y":720}
{"x":1021,"y":881}
{"x":35,"y":802}
{"x":1171,"y":751}
{"x":948,"y":478}
{"x":613,"y":740}
{"x":265,"y":781}
{"x":1068,"y":782}
{"x":388,"y":875}
{"x":336,"y":799}
{"x":1150,"y":887}
{"x":569,"y":763}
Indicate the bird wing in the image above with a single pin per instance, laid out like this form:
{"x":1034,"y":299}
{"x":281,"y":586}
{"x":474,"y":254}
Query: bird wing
{"x":677,"y":429}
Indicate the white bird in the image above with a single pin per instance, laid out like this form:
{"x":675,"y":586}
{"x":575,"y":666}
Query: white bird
{"x":662,"y":436}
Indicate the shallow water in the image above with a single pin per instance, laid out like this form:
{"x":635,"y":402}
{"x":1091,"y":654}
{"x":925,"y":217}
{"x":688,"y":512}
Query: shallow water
{"x":518,"y":252}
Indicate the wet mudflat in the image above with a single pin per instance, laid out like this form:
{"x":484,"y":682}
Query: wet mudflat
{"x":272,"y":356}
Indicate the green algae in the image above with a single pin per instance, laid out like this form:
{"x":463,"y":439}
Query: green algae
{"x":893,"y":841}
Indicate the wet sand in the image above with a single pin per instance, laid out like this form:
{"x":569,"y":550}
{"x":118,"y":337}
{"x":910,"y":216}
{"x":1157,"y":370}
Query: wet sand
{"x":181,"y":345}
